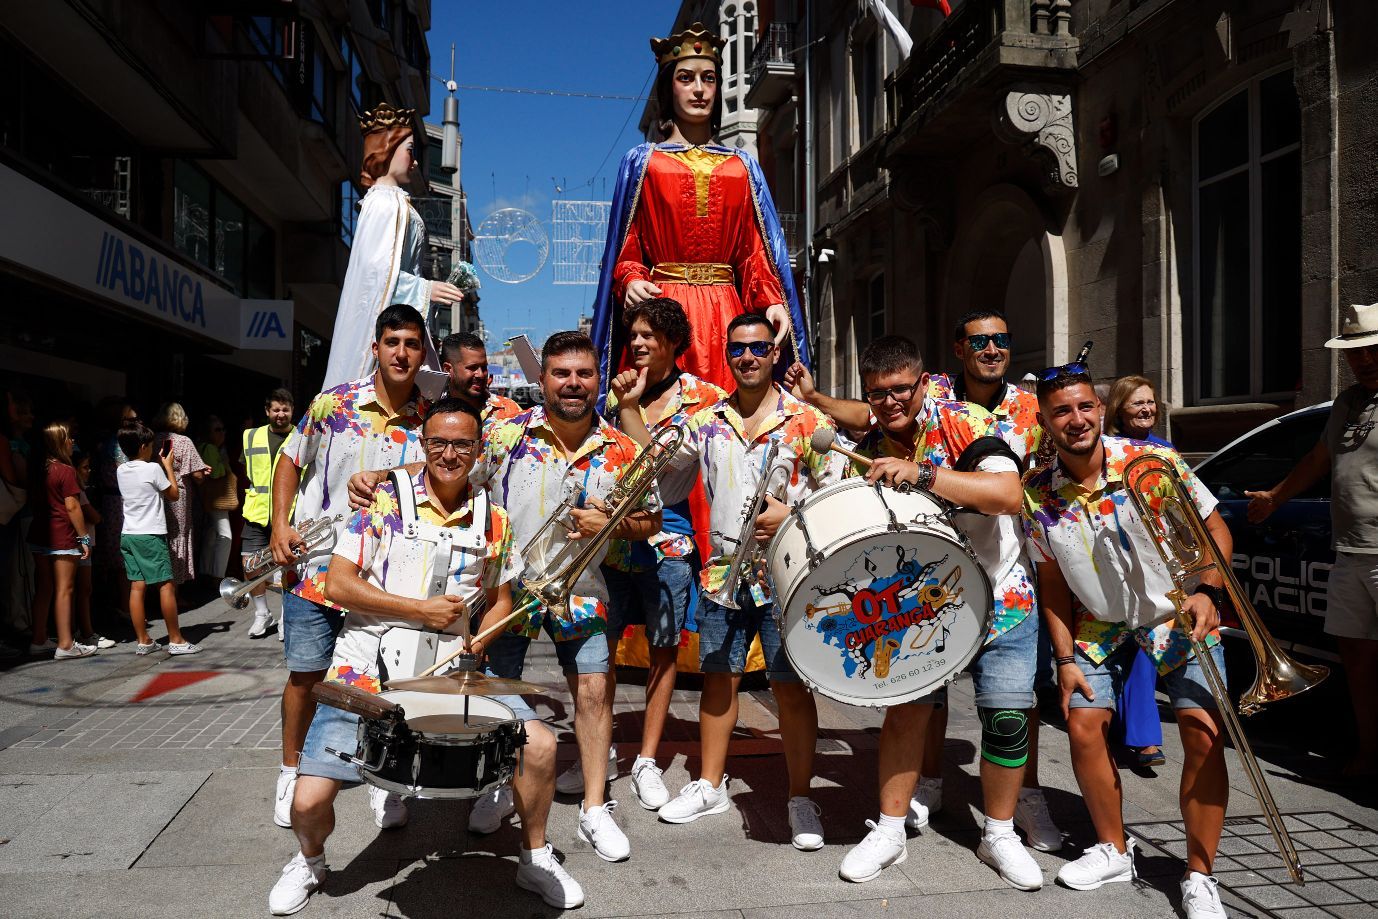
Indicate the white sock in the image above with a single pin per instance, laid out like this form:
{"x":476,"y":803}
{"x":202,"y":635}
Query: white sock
{"x":996,"y":828}
{"x":891,"y":823}
{"x":642,"y":759}
{"x":261,"y":605}
{"x":292,"y":770}
{"x":314,"y":862}
{"x":526,"y":855}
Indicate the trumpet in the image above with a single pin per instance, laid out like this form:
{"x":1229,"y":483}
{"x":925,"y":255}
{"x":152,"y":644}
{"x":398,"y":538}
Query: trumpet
{"x":747,"y":556}
{"x":1188,"y":550}
{"x":316,"y":535}
{"x":554,"y":567}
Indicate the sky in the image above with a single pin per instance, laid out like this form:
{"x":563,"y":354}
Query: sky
{"x":519,"y":148}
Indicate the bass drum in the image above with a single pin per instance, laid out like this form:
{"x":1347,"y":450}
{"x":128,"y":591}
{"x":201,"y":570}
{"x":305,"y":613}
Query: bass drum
{"x":878,"y":598}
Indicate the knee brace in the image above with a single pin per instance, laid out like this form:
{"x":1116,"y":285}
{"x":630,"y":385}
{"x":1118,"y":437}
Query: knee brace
{"x":1004,"y":736}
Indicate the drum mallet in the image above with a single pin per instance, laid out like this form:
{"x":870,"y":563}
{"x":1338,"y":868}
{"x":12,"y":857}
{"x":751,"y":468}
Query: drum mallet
{"x":825,"y":439}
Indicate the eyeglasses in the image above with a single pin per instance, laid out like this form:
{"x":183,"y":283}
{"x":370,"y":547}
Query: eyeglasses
{"x":758,"y":348}
{"x":901,"y":393}
{"x":1074,"y":369}
{"x":979,"y":342}
{"x":438,"y":445}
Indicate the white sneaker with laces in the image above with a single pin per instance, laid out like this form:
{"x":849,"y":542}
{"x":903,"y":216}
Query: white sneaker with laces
{"x":389,"y":810}
{"x":598,"y":829}
{"x":185,"y":647}
{"x":1200,"y":898}
{"x":927,"y":801}
{"x":544,"y":875}
{"x":300,"y":879}
{"x":697,"y":799}
{"x":491,"y":810}
{"x":282,"y":804}
{"x":76,"y":650}
{"x":100,"y":642}
{"x":1098,"y":865}
{"x":648,"y":785}
{"x":1007,"y":855}
{"x":804,"y":825}
{"x":879,"y":850}
{"x":1031,"y":815}
{"x":571,"y":781}
{"x":260,"y":625}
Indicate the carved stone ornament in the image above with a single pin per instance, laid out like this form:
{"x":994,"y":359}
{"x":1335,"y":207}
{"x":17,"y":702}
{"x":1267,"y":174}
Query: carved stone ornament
{"x":1040,"y":117}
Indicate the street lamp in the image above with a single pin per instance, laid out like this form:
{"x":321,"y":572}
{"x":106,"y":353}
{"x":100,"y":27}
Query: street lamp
{"x":449,"y":149}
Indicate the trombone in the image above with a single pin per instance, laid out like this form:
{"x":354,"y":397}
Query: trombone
{"x":1188,"y":550}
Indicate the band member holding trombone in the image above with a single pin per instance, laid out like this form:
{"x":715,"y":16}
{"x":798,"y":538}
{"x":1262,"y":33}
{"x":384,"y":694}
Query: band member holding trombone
{"x":753,"y":450}
{"x":411,"y":562}
{"x":561,"y":459}
{"x":1105,"y":593}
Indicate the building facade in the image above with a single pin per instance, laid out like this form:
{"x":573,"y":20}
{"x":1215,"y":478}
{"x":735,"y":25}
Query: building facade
{"x":449,"y":235}
{"x":1188,"y":185}
{"x":182,"y":188}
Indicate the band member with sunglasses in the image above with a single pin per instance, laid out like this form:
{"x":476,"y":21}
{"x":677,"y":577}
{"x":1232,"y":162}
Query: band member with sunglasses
{"x":1105,"y":593}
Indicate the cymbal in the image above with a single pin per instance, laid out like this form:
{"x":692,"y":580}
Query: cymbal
{"x":468,"y":683}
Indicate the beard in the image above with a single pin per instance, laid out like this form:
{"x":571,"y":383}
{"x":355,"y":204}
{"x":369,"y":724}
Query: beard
{"x":558,"y":409}
{"x":1064,"y":444}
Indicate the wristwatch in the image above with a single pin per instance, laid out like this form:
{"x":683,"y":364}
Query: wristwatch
{"x":927,"y":473}
{"x":1216,"y":594}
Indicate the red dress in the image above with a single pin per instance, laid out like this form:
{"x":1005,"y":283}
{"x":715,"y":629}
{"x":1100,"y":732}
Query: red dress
{"x":695,"y":207}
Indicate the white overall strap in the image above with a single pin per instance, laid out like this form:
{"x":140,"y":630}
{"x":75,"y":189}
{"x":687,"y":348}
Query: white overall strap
{"x":474,"y":537}
{"x":406,"y":501}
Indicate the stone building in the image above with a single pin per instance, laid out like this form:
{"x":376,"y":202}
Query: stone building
{"x":449,"y":234}
{"x":1189,"y":185}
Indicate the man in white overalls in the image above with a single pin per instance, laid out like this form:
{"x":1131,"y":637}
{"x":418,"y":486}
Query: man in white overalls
{"x":425,"y":552}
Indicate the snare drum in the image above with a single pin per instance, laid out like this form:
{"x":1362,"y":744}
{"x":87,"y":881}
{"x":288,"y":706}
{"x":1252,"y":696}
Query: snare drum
{"x":429,"y":748}
{"x":878,"y":597}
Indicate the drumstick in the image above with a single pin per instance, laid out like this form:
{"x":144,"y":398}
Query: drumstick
{"x":524,"y":608}
{"x":825,"y":439}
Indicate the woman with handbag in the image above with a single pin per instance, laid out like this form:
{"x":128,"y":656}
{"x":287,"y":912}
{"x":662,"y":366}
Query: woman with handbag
{"x":219,"y":496}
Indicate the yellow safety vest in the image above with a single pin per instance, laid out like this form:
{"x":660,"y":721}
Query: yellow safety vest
{"x":261,"y":466}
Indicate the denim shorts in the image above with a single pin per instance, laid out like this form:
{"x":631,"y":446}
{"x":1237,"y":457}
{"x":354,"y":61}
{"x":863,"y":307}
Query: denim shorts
{"x":725,"y":635}
{"x":1186,"y":686}
{"x":339,"y":730}
{"x":49,"y":550}
{"x":309,"y":631}
{"x":1003,"y":673}
{"x":659,"y":597}
{"x":506,"y":657}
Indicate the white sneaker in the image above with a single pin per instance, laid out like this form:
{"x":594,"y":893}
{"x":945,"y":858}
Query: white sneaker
{"x":281,"y":630}
{"x":571,"y":781}
{"x":299,"y":881}
{"x":185,"y":647}
{"x":648,"y":785}
{"x":282,"y":805}
{"x":389,"y":810}
{"x":598,"y":829}
{"x":927,"y":801}
{"x":100,"y":642}
{"x":262,"y":621}
{"x":76,"y":650}
{"x":1200,"y":899}
{"x":149,"y":648}
{"x":879,"y":850}
{"x":491,"y":810}
{"x":546,"y":876}
{"x":695,"y":800}
{"x":1007,"y":855}
{"x":804,"y":824}
{"x":1098,"y":865}
{"x":1031,"y":815}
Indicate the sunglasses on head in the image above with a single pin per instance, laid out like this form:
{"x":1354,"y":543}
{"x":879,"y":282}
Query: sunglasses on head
{"x":758,"y":348}
{"x":979,"y":342}
{"x":1074,"y":369}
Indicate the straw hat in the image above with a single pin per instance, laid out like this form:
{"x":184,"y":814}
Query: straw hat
{"x":1358,"y":327}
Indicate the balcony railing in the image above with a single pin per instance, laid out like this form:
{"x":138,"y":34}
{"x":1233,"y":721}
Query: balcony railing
{"x":771,"y":76}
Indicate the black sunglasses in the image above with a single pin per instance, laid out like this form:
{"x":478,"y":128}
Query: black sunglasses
{"x":758,"y":348}
{"x":1074,"y":369}
{"x":979,"y":342}
{"x":901,"y":393}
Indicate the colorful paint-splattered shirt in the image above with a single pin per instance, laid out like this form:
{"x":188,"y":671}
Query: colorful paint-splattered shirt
{"x":529,"y":474}
{"x":945,"y":429}
{"x":1107,"y":555}
{"x":497,"y":408}
{"x":1014,"y":419}
{"x":410,"y":565}
{"x":346,"y":430}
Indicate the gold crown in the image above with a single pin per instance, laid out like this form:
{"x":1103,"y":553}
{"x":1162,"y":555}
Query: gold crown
{"x":384,"y":117}
{"x":695,"y":41}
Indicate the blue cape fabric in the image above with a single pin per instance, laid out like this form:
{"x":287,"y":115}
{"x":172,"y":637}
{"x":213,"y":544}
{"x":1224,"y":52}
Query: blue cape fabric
{"x":608,"y":335}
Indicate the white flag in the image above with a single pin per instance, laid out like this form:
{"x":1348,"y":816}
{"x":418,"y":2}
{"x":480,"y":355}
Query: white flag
{"x":893,"y":26}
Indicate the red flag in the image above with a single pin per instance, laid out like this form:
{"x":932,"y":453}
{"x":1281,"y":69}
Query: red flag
{"x":941,"y":6}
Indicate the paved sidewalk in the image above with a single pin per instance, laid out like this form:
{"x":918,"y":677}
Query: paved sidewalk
{"x":142,"y":787}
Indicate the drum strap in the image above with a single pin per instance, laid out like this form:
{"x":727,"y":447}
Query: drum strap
{"x":982,"y":448}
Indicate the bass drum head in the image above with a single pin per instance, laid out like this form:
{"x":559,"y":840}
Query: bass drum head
{"x":887,"y":618}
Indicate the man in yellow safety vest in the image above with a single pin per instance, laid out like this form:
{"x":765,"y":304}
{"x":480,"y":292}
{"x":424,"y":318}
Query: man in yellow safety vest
{"x":261,"y":446}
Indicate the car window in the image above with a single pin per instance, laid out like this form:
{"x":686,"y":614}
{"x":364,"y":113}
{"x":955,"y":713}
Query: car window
{"x":1265,"y":457}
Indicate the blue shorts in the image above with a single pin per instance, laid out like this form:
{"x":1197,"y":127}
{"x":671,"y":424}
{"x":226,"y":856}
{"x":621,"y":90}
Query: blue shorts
{"x":658,"y":597}
{"x":725,"y":635}
{"x":309,"y":631}
{"x":1186,"y":686}
{"x":1003,"y":673}
{"x":337,"y":729}
{"x":506,"y":657}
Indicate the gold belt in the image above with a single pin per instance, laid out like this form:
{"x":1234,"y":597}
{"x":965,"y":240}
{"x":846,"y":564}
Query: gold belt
{"x":693,"y":273}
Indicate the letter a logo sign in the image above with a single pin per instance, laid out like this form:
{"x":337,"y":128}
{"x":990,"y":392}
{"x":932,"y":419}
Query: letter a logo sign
{"x":266,"y":324}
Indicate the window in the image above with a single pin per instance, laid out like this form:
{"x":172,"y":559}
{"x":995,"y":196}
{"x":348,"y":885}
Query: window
{"x":435,"y":157}
{"x":349,"y":211}
{"x":354,"y":70}
{"x":228,"y":261}
{"x":260,"y":254}
{"x":191,"y":211}
{"x":1264,"y":458}
{"x":380,"y":11}
{"x":867,"y":80}
{"x":1247,"y":166}
{"x":212,"y":228}
{"x":875,"y":306}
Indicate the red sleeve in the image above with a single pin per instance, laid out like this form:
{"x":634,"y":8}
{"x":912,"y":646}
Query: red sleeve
{"x":631,"y":265}
{"x":760,"y":287}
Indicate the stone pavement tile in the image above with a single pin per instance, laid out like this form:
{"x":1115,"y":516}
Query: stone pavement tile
{"x":104,"y":823}
{"x":1356,"y":911}
{"x":1364,"y":888}
{"x":25,"y":798}
{"x":1119,"y":902}
{"x":234,"y":808}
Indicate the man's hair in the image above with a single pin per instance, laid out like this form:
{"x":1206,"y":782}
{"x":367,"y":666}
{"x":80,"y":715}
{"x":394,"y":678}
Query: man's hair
{"x":398,"y":316}
{"x":566,"y":343}
{"x":278,"y":395}
{"x":665,"y":316}
{"x":960,"y":330}
{"x":746,"y":319}
{"x":132,"y":438}
{"x":890,"y":354}
{"x":449,"y":406}
{"x":452,"y":344}
{"x":1062,"y":381}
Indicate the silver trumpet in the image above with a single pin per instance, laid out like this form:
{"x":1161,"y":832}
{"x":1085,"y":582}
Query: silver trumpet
{"x":316,"y":536}
{"x":747,"y":553}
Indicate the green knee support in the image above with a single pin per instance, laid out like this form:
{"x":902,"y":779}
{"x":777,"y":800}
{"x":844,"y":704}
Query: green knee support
{"x":1004,"y":736}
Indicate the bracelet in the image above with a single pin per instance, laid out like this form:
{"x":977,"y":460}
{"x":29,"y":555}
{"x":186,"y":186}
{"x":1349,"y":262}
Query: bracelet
{"x":1063,"y":661}
{"x":1215,"y":593}
{"x":927,"y":474}
{"x":83,"y":540}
